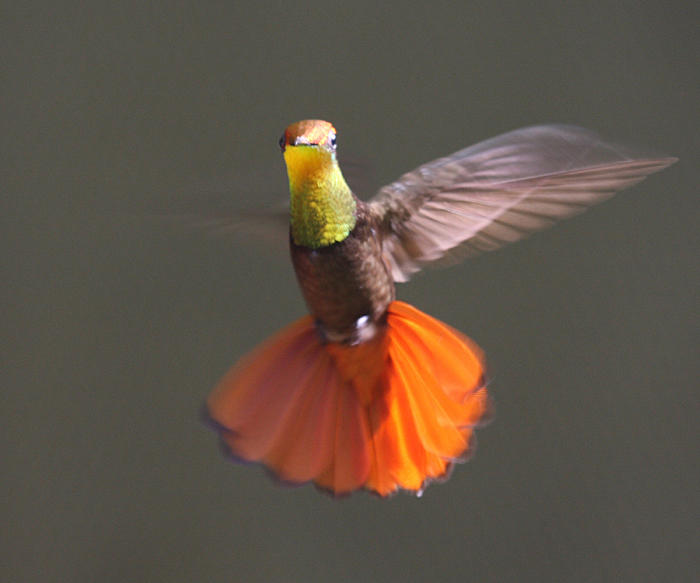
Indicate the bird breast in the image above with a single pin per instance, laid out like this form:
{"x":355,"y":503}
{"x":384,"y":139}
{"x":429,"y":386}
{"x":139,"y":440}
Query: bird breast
{"x":347,"y":285}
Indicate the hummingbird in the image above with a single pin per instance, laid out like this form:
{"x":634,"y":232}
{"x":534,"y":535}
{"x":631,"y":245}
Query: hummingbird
{"x":368,"y":392}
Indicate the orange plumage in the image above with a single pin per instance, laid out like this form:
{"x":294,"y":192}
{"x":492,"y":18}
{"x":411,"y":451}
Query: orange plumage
{"x":391,"y":413}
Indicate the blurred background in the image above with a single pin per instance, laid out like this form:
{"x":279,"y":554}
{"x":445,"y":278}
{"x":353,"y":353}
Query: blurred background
{"x":116,"y":327}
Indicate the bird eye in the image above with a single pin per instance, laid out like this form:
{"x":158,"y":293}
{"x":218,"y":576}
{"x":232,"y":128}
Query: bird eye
{"x":282,"y":142}
{"x":332,"y":140}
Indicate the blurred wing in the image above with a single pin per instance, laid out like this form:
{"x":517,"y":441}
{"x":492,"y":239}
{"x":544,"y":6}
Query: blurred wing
{"x":499,"y":191}
{"x":265,"y":226}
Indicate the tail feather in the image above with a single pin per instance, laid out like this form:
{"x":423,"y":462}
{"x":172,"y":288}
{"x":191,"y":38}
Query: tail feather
{"x":255,"y":402}
{"x":401,"y":459}
{"x":454,"y":359}
{"x":287,"y":406}
{"x":392,"y":413}
{"x":434,"y":395}
{"x":309,"y":451}
{"x":435,"y":423}
{"x":351,"y":447}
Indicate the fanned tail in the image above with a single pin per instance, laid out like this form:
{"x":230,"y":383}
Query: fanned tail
{"x":392,"y":413}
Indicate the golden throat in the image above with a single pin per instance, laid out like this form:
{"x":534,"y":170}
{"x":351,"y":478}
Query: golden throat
{"x":322,"y":204}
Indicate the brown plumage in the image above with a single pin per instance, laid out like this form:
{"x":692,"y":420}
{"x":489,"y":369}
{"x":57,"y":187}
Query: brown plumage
{"x":345,"y":281}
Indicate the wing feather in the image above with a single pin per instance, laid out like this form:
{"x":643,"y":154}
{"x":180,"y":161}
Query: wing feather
{"x":499,"y":191}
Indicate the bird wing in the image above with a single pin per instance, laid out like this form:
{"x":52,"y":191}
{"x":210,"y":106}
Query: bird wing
{"x":499,"y":191}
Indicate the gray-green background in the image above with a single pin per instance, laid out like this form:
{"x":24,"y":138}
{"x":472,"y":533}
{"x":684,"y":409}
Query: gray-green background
{"x":115,"y":328}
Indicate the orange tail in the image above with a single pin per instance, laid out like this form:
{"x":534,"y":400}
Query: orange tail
{"x":391,"y":413}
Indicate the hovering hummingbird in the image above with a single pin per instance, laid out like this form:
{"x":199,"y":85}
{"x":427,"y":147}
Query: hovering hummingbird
{"x":367,"y":391}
